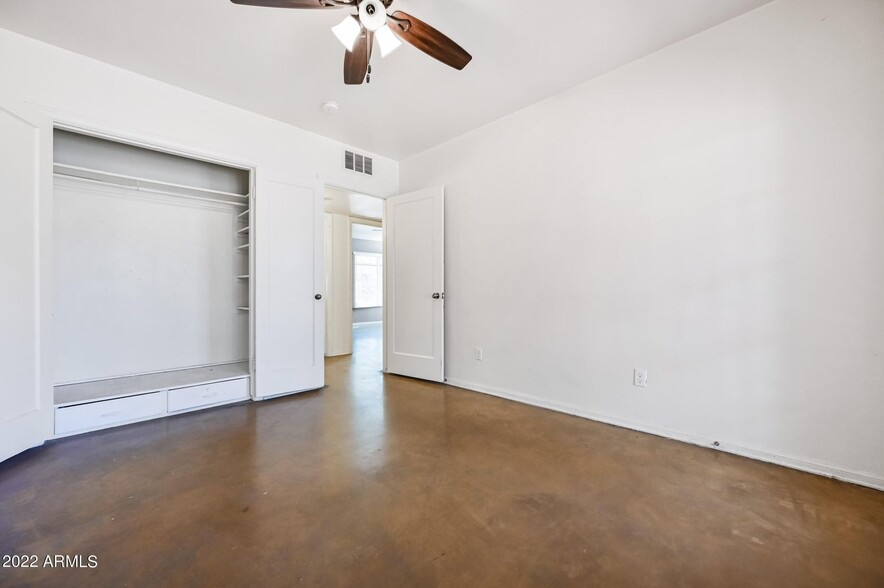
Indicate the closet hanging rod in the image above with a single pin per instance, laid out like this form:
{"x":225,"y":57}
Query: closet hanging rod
{"x":99,"y":172}
{"x":138,"y":188}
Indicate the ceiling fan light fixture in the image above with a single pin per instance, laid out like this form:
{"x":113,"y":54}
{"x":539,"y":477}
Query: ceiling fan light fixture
{"x":387,"y":41}
{"x":347,"y":32}
{"x":369,"y":18}
{"x":372,"y":14}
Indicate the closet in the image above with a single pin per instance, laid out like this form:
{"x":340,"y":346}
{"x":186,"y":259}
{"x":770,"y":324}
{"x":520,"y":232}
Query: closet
{"x":167,"y":299}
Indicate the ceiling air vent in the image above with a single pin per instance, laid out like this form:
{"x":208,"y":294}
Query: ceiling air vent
{"x":358,"y":163}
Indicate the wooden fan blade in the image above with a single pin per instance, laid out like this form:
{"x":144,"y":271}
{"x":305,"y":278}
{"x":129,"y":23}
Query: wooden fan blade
{"x":428,"y":40}
{"x":356,"y":61}
{"x":308,"y":4}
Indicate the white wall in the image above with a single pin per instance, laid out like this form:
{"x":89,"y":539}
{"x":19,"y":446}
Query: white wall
{"x":144,"y":283}
{"x":374,"y":314}
{"x":338,"y":286}
{"x":367,"y":246}
{"x":712,"y":213}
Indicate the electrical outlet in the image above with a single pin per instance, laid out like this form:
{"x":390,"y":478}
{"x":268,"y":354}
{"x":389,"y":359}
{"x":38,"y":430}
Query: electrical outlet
{"x":479,"y":353}
{"x":640,"y":378}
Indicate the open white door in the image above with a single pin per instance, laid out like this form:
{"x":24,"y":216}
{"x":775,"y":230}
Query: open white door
{"x":289,"y":319}
{"x":414,"y":227}
{"x":25,"y":187}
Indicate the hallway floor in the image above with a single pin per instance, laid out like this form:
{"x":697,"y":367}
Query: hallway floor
{"x":368,"y":344}
{"x":386,"y":481}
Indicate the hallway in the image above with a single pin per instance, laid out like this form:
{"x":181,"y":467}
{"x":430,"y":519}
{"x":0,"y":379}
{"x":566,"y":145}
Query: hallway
{"x":385,"y":481}
{"x":368,"y":344}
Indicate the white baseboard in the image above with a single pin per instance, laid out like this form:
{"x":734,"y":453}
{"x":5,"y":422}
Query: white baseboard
{"x":860,"y":478}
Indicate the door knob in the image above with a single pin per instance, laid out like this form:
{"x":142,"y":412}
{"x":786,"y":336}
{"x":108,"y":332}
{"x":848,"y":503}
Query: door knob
{"x":436,"y":296}
{"x":318,"y":296}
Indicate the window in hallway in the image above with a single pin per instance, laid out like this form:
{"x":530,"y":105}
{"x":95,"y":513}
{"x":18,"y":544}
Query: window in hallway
{"x":368,"y":280}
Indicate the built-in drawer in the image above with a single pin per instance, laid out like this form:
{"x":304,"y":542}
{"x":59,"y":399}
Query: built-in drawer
{"x":108,"y":413}
{"x":208,"y":394}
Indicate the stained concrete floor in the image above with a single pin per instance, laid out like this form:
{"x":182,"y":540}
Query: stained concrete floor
{"x":388,"y":482}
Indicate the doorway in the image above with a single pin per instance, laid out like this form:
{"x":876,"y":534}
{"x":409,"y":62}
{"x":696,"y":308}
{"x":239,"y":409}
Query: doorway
{"x":400,"y":282}
{"x":354,"y":267}
{"x":367,"y":240}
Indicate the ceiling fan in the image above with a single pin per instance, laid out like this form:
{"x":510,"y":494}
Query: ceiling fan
{"x":358,"y":31}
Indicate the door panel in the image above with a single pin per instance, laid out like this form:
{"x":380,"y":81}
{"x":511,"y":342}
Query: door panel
{"x":25,"y":399}
{"x":415,"y":284}
{"x":289,"y":319}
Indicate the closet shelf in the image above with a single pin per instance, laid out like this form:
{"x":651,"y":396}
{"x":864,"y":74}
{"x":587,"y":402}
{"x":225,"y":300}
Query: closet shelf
{"x":243,"y":308}
{"x":243,"y":277}
{"x":243,"y":214}
{"x":243,"y":247}
{"x":148,"y":185}
{"x":243,"y":231}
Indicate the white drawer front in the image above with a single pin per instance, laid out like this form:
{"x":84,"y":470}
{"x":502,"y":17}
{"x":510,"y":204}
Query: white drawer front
{"x":108,"y":413}
{"x":208,"y":394}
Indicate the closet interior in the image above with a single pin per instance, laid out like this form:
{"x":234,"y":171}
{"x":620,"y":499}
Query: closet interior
{"x":152,"y":282}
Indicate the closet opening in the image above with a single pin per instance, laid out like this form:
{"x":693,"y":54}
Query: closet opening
{"x":354,"y":262}
{"x":152,"y":282}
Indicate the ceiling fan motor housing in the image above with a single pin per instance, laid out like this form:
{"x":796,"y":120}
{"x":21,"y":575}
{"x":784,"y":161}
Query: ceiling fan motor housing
{"x":372,"y":14}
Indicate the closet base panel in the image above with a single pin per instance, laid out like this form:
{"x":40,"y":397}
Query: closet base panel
{"x":198,"y":397}
{"x":123,"y":401}
{"x":108,"y":413}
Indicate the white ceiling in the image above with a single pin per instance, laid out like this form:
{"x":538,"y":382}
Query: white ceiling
{"x":353,"y":204}
{"x":367,"y":233}
{"x":283,"y":63}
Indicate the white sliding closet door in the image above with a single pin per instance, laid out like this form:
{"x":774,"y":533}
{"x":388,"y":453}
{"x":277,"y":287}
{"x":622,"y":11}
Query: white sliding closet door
{"x":414,"y":228}
{"x":289,"y":279}
{"x":25,"y":189}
